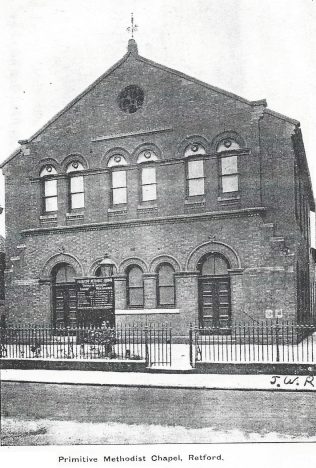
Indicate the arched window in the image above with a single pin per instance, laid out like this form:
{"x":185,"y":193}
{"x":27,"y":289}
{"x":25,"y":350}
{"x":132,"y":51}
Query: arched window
{"x":135,"y":287}
{"x":214,"y":265}
{"x":165,"y":285}
{"x":76,"y":185}
{"x":194,"y":169}
{"x":49,"y":189}
{"x":64,"y":273}
{"x":228,"y":165}
{"x":148,"y":175}
{"x":118,"y":180}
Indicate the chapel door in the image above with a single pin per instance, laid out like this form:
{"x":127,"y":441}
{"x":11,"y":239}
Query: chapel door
{"x":64,"y":295}
{"x":214,"y":292}
{"x":214,"y":302}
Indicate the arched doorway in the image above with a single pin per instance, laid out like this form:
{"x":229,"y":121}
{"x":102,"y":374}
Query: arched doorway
{"x":214,"y":291}
{"x":64,"y":295}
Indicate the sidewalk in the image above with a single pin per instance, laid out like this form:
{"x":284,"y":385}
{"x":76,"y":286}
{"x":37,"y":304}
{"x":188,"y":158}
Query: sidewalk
{"x":162,"y":380}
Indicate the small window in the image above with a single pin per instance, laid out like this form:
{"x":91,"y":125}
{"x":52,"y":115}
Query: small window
{"x":49,"y":189}
{"x":148,"y":183}
{"x":165,"y":285}
{"x":135,"y":287}
{"x":76,"y":185}
{"x":229,"y":174}
{"x":195,"y":177}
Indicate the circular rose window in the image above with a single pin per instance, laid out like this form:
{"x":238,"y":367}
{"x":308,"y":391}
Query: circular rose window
{"x":131,"y":99}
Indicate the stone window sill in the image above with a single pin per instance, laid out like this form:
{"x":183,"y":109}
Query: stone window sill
{"x":147,"y":205}
{"x":194,"y":201}
{"x":228,"y":199}
{"x":117,"y":209}
{"x":79,"y":215}
{"x":47,"y":217}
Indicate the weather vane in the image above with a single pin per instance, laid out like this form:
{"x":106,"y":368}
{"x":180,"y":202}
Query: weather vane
{"x":133,"y":28}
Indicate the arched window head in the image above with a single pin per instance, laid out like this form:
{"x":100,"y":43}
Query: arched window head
{"x":147,"y":156}
{"x":74,"y":166}
{"x":194,"y":149}
{"x":165,"y":285}
{"x":214,"y":265}
{"x":48,"y":170}
{"x":228,"y":144}
{"x":135,"y":286}
{"x":117,"y":160}
{"x":63,"y":273}
{"x":49,"y":189}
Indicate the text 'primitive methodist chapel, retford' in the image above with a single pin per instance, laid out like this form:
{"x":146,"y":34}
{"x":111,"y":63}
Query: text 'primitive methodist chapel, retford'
{"x":198,"y":199}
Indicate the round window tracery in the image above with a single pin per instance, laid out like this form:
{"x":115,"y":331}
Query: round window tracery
{"x":117,"y":160}
{"x":74,"y":166}
{"x":147,"y":156}
{"x":48,"y":170}
{"x":228,"y":144}
{"x":131,"y":99}
{"x":194,"y":148}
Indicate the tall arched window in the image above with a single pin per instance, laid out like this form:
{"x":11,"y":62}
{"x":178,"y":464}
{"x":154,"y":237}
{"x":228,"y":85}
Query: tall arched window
{"x":49,"y":189}
{"x":165,"y":285}
{"x":76,"y":185}
{"x":148,"y":175}
{"x":195,"y":169}
{"x":118,"y":180}
{"x":135,"y":286}
{"x":228,"y":165}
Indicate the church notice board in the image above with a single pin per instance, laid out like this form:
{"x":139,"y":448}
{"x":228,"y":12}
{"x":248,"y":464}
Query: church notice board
{"x":94,"y":293}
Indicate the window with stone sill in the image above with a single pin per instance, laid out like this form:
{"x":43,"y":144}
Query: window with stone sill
{"x":195,"y":178}
{"x":135,"y":287}
{"x":49,"y":189}
{"x":76,"y":185}
{"x":148,"y":182}
{"x":165,"y":285}
{"x":229,"y":177}
{"x":118,"y":180}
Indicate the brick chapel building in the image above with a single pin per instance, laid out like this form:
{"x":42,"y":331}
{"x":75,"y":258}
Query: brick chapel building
{"x":201,"y":199}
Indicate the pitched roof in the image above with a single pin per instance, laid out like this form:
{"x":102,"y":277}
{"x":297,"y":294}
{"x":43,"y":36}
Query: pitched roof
{"x":132,"y":51}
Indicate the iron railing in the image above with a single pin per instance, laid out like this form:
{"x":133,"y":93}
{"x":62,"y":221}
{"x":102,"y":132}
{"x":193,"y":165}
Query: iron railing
{"x":149,"y":343}
{"x":261,"y":342}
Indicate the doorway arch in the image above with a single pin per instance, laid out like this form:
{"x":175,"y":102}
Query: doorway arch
{"x":214,"y":291}
{"x":64,"y":295}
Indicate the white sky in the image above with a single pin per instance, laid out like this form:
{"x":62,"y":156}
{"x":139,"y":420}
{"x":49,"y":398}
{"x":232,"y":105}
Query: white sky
{"x":52,"y":49}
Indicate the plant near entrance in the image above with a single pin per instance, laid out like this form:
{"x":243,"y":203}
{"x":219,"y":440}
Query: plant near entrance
{"x":150,"y":344}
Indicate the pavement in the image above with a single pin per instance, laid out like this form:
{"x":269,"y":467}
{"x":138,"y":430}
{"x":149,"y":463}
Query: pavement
{"x":162,"y":380}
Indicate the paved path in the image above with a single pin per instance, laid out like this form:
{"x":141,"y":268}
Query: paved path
{"x":171,"y":380}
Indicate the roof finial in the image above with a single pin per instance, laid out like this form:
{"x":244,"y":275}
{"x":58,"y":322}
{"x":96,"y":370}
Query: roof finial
{"x":133,"y":28}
